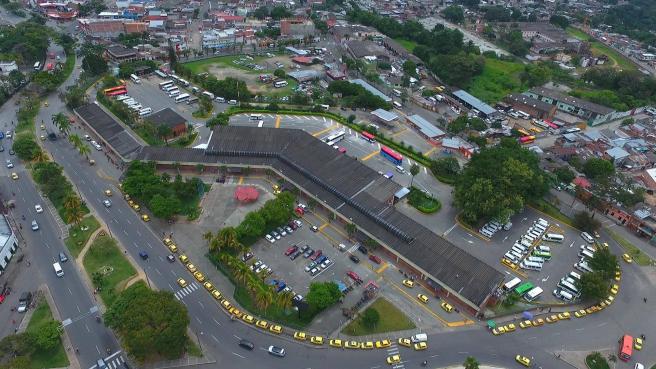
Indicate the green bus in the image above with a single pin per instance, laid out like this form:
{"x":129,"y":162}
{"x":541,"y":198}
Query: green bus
{"x":522,"y":289}
{"x":543,"y":254}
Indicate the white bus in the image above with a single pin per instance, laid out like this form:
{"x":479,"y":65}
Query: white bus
{"x":563,"y":295}
{"x":174,"y":93}
{"x":165,"y":84}
{"x":529,"y":265}
{"x":334,"y":137}
{"x":208,"y":94}
{"x":397,"y":104}
{"x":135,"y":79}
{"x":192,"y":100}
{"x":174,"y":77}
{"x":533,"y":294}
{"x":280,"y":84}
{"x":586,"y":236}
{"x":535,"y":259}
{"x":37,"y":66}
{"x":181,"y":98}
{"x":183,"y":82}
{"x":568,"y":287}
{"x":512,"y":284}
{"x":160,"y":74}
{"x":256,"y":116}
{"x":583,"y":266}
{"x":575,"y":276}
{"x":573,"y":130}
{"x":553,"y":237}
{"x":170,"y":88}
{"x":397,"y":93}
{"x":586,"y":254}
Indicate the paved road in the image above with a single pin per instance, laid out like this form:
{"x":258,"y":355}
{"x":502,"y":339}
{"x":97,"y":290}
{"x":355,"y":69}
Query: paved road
{"x":430,"y":23}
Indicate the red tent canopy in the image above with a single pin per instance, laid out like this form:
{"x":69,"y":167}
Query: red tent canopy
{"x":246,"y":194}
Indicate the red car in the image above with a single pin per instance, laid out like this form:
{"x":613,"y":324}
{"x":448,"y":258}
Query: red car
{"x":354,"y":276}
{"x":291,"y":250}
{"x":375,"y":259}
{"x":316,"y":255}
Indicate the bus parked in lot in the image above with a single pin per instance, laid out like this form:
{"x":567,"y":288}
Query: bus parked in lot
{"x":522,"y":289}
{"x":533,"y":294}
{"x":512,"y":284}
{"x":553,"y":237}
{"x":368,"y":136}
{"x":180,"y":98}
{"x":165,"y":84}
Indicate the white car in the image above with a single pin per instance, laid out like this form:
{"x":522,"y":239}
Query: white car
{"x":10,"y":164}
{"x":270,"y":238}
{"x":38,"y":208}
{"x":107,"y":203}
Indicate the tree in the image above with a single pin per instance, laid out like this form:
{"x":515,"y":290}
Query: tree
{"x":98,"y":279}
{"x":593,"y":286}
{"x":370,"y":318}
{"x":279,"y":12}
{"x":94,"y":64}
{"x":25,"y":147}
{"x":228,"y":240}
{"x":221,"y":119}
{"x":73,"y":209}
{"x":559,"y":20}
{"x":454,"y":14}
{"x":414,"y":170}
{"x":261,"y":12}
{"x":351,"y":228}
{"x":280,"y":73}
{"x":515,"y":42}
{"x":628,"y":121}
{"x":150,"y":323}
{"x":604,"y":262}
{"x":323,"y":295}
{"x":164,"y":132}
{"x":410,"y":68}
{"x":164,"y":207}
{"x":47,"y":336}
{"x":564,"y":175}
{"x":585,"y":222}
{"x":598,"y":169}
{"x":61,"y":121}
{"x":445,"y":167}
{"x":470,"y":363}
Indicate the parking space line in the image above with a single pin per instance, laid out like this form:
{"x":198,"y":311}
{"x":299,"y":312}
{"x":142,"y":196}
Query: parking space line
{"x":369,"y":156}
{"x":321,"y":227}
{"x":430,"y":151}
{"x":339,"y":231}
{"x":315,"y":134}
{"x":278,"y":118}
{"x":241,"y":179}
{"x":398,"y":133}
{"x":423,"y":306}
{"x":382,"y":268}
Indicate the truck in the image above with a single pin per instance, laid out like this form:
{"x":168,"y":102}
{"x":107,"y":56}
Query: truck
{"x":419,"y":337}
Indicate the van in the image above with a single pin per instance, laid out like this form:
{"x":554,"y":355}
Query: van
{"x":539,"y":227}
{"x":575,"y":276}
{"x":583,"y":267}
{"x":535,"y":259}
{"x":420,"y":337}
{"x":59,"y":272}
{"x":510,"y":257}
{"x":542,"y":221}
{"x":586,"y":254}
{"x":586,"y":236}
{"x":486,"y":233}
{"x":521,"y":247}
{"x":400,"y":169}
{"x":535,"y":234}
{"x":174,"y":93}
{"x":517,"y":255}
{"x":220,"y":99}
{"x":526,"y":243}
{"x":563,"y":295}
{"x":529,"y":265}
{"x":232,"y":102}
{"x":144,"y":112}
{"x":529,"y":238}
{"x":588,"y":248}
{"x":518,"y":250}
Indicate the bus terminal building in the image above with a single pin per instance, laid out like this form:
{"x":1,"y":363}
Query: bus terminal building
{"x":354,"y":193}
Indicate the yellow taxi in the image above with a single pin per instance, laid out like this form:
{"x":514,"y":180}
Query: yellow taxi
{"x":446,"y":306}
{"x":14,"y":176}
{"x":42,"y":137}
{"x":234,"y":311}
{"x":275,"y":329}
{"x":136,"y":207}
{"x":552,"y":318}
{"x":367,"y":345}
{"x":498,"y":331}
{"x":199,"y":277}
{"x":145,"y":218}
{"x":182,"y":282}
{"x":538,"y":322}
{"x":405,"y":342}
{"x":352,"y":344}
{"x":43,"y":127}
{"x":408,"y":283}
{"x":523,"y":360}
{"x":383,"y":343}
{"x":317,"y":340}
{"x":131,"y":203}
{"x":510,"y":327}
{"x":580,"y":313}
{"x":46,"y":104}
{"x":627,"y":258}
{"x":174,"y":249}
{"x":191,"y":267}
{"x":167,"y":241}
{"x":108,"y":192}
{"x":335,"y":343}
{"x":564,"y":315}
{"x":508,"y":263}
{"x":226,"y":304}
{"x":248,"y":319}
{"x":301,"y":336}
{"x":609,"y":300}
{"x":602,"y":305}
{"x":420,"y":346}
{"x":262,"y":324}
{"x":216,"y":294}
{"x":394,"y":359}
{"x":525,"y":324}
{"x":618,"y":275}
{"x":183,"y":258}
{"x":422,"y":298}
{"x":637,"y":343}
{"x":614,"y":289}
{"x":208,"y":286}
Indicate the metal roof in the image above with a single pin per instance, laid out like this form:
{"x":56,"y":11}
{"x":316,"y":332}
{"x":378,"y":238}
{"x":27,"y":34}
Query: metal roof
{"x":385,"y":115}
{"x":352,"y":189}
{"x":474,"y":102}
{"x":111,"y":131}
{"x":371,"y":89}
{"x":426,"y":127}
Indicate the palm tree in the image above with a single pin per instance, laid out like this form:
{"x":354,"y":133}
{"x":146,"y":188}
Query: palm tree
{"x":351,"y":228}
{"x":264,"y":298}
{"x":284,"y":300}
{"x":414,"y":170}
{"x":61,"y":121}
{"x":208,"y":236}
{"x":73,"y":208}
{"x":241,"y":272}
{"x":84,"y":150}
{"x":227,"y":238}
{"x":76,"y":141}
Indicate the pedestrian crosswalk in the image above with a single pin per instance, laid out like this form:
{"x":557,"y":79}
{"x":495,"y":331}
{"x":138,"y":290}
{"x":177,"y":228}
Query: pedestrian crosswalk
{"x":114,"y":361}
{"x":186,"y":291}
{"x":394,"y":350}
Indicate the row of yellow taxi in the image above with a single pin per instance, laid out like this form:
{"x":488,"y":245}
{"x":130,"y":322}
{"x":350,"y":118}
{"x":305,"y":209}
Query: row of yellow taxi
{"x":423,"y":298}
{"x":566,"y":315}
{"x":133,"y":205}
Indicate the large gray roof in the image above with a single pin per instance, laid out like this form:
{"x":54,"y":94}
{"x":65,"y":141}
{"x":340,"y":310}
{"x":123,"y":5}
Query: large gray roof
{"x":352,"y":189}
{"x":474,"y":102}
{"x":109,"y":129}
{"x":427,"y":128}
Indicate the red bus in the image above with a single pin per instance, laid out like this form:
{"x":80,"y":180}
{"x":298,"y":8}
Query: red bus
{"x":551,"y":124}
{"x":526,"y":139}
{"x":368,"y":136}
{"x":117,"y":92}
{"x":391,"y":155}
{"x":626,"y":347}
{"x":112,"y":89}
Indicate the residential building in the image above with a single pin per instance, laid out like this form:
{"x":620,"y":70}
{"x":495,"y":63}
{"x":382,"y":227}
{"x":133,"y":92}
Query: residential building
{"x":297,"y":28}
{"x":592,"y":113}
{"x":215,"y":39}
{"x":171,"y":119}
{"x":533,"y":107}
{"x":366,"y":50}
{"x":7,"y":67}
{"x":8,"y":243}
{"x":120,"y":54}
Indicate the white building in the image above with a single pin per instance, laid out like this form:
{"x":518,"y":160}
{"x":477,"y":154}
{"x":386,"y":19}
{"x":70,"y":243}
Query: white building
{"x":8,"y":243}
{"x":215,"y":39}
{"x":7,"y":67}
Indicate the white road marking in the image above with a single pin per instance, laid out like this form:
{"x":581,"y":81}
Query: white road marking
{"x":216,"y":339}
{"x":158,"y":272}
{"x":201,"y":304}
{"x":237,"y":337}
{"x":215,"y":321}
{"x":236,"y":354}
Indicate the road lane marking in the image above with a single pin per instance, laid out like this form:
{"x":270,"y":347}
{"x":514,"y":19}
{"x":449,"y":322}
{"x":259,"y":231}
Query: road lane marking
{"x":369,"y":156}
{"x":158,"y":272}
{"x":237,"y":337}
{"x":199,"y":321}
{"x":315,"y":134}
{"x":217,"y":322}
{"x":236,"y":354}
{"x":215,"y":339}
{"x":201,"y":305}
{"x":398,"y":133}
{"x":278,"y":118}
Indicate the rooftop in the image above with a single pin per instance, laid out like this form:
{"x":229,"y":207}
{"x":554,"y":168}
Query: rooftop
{"x":474,"y":102}
{"x":167,"y":117}
{"x":371,"y":89}
{"x":109,"y":129}
{"x":387,"y":116}
{"x":570,"y":100}
{"x":529,"y":101}
{"x":119,"y":51}
{"x":356,"y":191}
{"x":425,"y":127}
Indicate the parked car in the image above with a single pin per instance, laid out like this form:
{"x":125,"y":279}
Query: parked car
{"x":308,"y":253}
{"x":375,"y":259}
{"x":316,"y":255}
{"x":291,"y":250}
{"x":354,"y":258}
{"x":363,"y":249}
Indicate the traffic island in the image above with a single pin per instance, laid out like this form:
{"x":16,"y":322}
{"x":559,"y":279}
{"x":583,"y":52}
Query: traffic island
{"x":380,"y":317}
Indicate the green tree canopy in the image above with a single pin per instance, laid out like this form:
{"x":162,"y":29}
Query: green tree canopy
{"x":370,"y":318}
{"x":94,"y":64}
{"x":164,"y":207}
{"x":453,"y":14}
{"x":151,"y":323}
{"x":564,"y":175}
{"x":47,"y":337}
{"x":593,"y":286}
{"x":470,"y":363}
{"x":598,"y":169}
{"x":323,"y":295}
{"x":582,"y":220}
{"x":604,"y":262}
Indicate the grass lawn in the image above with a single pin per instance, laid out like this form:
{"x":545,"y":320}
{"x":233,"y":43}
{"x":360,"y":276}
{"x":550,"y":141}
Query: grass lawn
{"x":599,"y":48}
{"x":78,"y":237}
{"x":391,"y":320}
{"x":55,"y":358}
{"x":289,"y":318}
{"x":596,"y":361}
{"x":201,"y":66}
{"x":409,"y":45}
{"x":638,"y":256}
{"x":104,"y":256}
{"x":423,"y":202}
{"x":499,"y":78}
